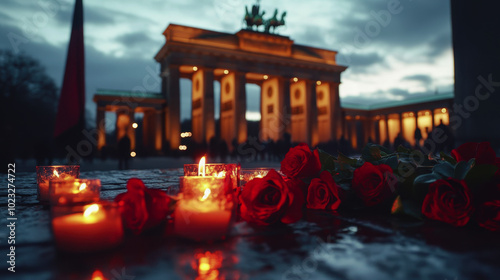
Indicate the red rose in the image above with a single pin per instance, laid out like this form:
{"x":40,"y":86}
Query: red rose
{"x":323,"y":193}
{"x":449,"y":201}
{"x":142,"y":208}
{"x":488,"y":215}
{"x":270,"y":199}
{"x":371,"y":183}
{"x":482,"y":152}
{"x":300,"y":162}
{"x":133,"y":210}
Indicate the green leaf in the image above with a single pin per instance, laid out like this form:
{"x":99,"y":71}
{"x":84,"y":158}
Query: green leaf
{"x":448,"y":158}
{"x":480,"y":174}
{"x":392,"y":161}
{"x":426,"y":179}
{"x":444,"y":169}
{"x":373,"y":152}
{"x":462,"y":168}
{"x":403,"y":150}
{"x":345,"y":159}
{"x":327,"y":161}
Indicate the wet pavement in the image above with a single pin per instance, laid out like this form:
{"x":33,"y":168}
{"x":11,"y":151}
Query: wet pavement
{"x":323,"y":245}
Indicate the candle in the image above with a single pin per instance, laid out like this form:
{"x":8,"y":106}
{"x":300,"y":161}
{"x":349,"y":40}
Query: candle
{"x":205,"y":209}
{"x":214,"y":169}
{"x":47,"y":173}
{"x":68,"y":192}
{"x":250,"y":174}
{"x":96,"y":228}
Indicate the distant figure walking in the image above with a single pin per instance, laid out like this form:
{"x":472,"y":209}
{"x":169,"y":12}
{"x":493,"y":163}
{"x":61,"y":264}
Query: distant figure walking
{"x":123,"y":152}
{"x":399,"y":140}
{"x":418,"y":137}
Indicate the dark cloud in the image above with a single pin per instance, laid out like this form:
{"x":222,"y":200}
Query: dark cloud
{"x":309,"y":35}
{"x":398,"y":92}
{"x":424,"y":79}
{"x":135,"y":39}
{"x":370,"y":25}
{"x":355,"y":60}
{"x":440,"y":44}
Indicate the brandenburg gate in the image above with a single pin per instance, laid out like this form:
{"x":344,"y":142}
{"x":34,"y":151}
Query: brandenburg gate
{"x":299,"y":85}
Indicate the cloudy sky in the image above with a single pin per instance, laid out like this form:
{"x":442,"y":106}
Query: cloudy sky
{"x":394,"y":49}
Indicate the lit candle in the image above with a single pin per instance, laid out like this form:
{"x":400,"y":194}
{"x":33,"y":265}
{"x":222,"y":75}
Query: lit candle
{"x":204,"y":212}
{"x":68,"y":192}
{"x":250,"y":174}
{"x":58,"y":172}
{"x":98,"y":227}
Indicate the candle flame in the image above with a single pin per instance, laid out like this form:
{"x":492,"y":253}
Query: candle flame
{"x":97,"y":275}
{"x":82,"y":187}
{"x":56,"y":173}
{"x":204,"y":265}
{"x":94,"y":208}
{"x":206,"y":194}
{"x":201,"y":167}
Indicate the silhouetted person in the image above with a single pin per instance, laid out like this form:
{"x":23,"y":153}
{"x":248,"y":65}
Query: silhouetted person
{"x":234,"y":153}
{"x":447,"y":136}
{"x":399,"y":140}
{"x":418,"y":137}
{"x":123,"y":152}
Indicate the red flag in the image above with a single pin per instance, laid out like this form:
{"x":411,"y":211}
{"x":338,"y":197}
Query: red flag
{"x":71,"y":110}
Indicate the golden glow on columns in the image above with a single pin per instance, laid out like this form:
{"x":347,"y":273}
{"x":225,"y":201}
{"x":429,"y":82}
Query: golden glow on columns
{"x":318,"y":83}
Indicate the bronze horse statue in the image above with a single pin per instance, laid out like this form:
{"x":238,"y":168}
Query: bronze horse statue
{"x":255,"y":18}
{"x":274,"y":22}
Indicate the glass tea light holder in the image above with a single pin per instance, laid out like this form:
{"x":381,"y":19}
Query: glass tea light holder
{"x":76,"y":191}
{"x":87,"y":228}
{"x":214,"y":169}
{"x":247,"y":175}
{"x":56,"y":172}
{"x":206,"y":206}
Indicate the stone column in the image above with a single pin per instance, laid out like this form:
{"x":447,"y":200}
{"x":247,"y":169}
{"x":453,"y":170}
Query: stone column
{"x":311,"y":113}
{"x":432,"y":119}
{"x":203,"y":105}
{"x":171,"y":83}
{"x":101,"y":127}
{"x":401,"y":125}
{"x":240,"y":107}
{"x":233,"y":125}
{"x":386,"y":119}
{"x":131,"y":130}
{"x":158,"y":130}
{"x":284,"y":107}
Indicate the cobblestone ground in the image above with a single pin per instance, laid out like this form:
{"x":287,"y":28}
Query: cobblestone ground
{"x":323,"y":245}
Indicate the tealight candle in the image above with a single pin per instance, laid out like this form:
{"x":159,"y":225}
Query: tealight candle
{"x":250,"y":174}
{"x":68,"y":192}
{"x":97,"y":227}
{"x":205,"y":209}
{"x":47,"y":173}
